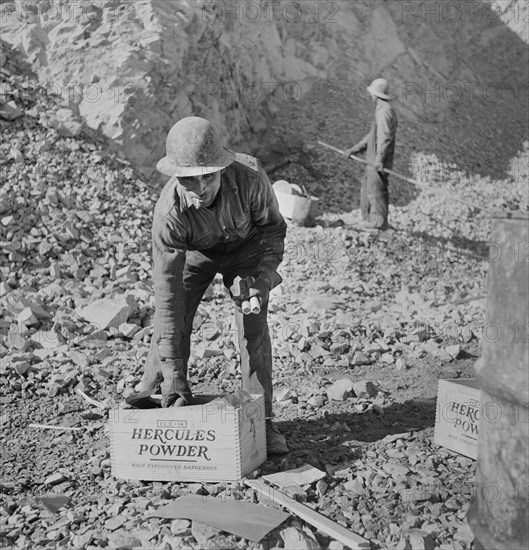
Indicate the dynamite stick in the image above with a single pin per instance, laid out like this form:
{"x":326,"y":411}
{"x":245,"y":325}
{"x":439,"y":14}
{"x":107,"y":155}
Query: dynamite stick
{"x":242,"y":290}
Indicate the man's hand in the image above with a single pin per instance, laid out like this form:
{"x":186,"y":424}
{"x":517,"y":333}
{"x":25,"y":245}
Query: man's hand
{"x":175,"y":388}
{"x":348,"y":152}
{"x":261,"y":289}
{"x":239,"y":290}
{"x":379,"y":166}
{"x":250,"y":294}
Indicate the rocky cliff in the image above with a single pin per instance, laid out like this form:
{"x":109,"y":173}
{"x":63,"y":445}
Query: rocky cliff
{"x":275,"y":75}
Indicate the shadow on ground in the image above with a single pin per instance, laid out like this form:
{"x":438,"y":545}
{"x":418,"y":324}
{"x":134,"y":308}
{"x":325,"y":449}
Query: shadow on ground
{"x":309,"y":439}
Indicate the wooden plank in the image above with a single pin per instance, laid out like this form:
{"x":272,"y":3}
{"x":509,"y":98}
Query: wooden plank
{"x":50,"y":427}
{"x":323,"y":524}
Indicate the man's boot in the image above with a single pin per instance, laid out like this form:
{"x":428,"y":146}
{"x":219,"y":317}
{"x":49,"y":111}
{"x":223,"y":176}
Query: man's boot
{"x":175,"y":387}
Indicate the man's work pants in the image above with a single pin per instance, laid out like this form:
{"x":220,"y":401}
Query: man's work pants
{"x":252,"y":330}
{"x":374,"y":198}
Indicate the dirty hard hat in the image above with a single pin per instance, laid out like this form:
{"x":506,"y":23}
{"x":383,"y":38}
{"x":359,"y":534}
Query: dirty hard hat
{"x":380,"y":88}
{"x":194,"y":148}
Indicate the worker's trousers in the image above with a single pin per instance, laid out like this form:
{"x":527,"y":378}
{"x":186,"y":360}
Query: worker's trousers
{"x":252,"y":330}
{"x":374,"y":198}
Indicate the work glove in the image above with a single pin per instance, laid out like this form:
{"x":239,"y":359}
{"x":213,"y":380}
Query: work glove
{"x":242,"y":290}
{"x":261,"y":289}
{"x":175,"y":387}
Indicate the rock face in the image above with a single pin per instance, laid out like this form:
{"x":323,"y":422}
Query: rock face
{"x":131,"y":69}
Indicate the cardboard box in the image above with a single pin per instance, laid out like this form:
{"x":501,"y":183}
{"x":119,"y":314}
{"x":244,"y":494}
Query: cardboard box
{"x":458,"y":414}
{"x":301,"y":210}
{"x":210,"y":442}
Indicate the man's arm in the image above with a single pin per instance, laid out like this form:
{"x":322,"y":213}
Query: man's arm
{"x":169,"y":254}
{"x":271,"y":229}
{"x":360,"y":147}
{"x":386,"y":128}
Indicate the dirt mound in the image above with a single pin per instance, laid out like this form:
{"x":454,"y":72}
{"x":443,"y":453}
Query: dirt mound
{"x":273,"y":75}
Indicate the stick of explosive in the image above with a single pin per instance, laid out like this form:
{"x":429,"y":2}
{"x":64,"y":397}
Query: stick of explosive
{"x":408,"y":180}
{"x":242,"y":288}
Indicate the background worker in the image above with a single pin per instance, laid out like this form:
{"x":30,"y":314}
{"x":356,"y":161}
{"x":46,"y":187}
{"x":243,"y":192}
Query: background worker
{"x":217,"y":214}
{"x":380,"y":145}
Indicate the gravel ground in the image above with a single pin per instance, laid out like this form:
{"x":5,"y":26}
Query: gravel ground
{"x":401,"y":309}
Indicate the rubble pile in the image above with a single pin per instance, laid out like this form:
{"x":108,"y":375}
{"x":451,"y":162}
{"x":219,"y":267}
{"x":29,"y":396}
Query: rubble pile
{"x":363,"y":326}
{"x":458,"y":75}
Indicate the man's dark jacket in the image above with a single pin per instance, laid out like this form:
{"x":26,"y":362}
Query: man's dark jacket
{"x":246,"y":209}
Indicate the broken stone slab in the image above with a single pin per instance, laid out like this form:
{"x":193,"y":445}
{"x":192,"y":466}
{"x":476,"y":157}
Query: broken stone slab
{"x":102,"y":354}
{"x":419,"y":540}
{"x":128,"y":330}
{"x":365,"y":389}
{"x":27,"y":317}
{"x":395,"y":470}
{"x":179,"y":526}
{"x":48,"y":339}
{"x":360,"y":359}
{"x":316,"y":401}
{"x":55,"y":270}
{"x":283,"y":395}
{"x":300,"y":539}
{"x":321,"y":487}
{"x":79,"y":358}
{"x":18,"y":342}
{"x":115,"y":523}
{"x":121,"y":538}
{"x":21,"y":367}
{"x":453,"y":351}
{"x":142,"y":333}
{"x":204,"y":532}
{"x":106,"y":312}
{"x":7,"y":220}
{"x":43,"y":353}
{"x":10,"y":111}
{"x":339,"y":348}
{"x":417,"y":336}
{"x":464,"y":534}
{"x":82,"y":541}
{"x":69,"y":128}
{"x":355,"y":485}
{"x":340,"y":390}
{"x":203,"y":352}
{"x":304,"y":475}
{"x":320,"y":303}
{"x":55,"y":478}
{"x":15,"y":303}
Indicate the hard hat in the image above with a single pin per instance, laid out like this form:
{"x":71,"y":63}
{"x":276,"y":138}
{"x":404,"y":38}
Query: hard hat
{"x":380,"y":88}
{"x":194,"y":148}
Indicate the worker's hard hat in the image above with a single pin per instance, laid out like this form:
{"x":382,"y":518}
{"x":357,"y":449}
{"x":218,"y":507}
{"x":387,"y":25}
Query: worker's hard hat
{"x":380,"y":88}
{"x":194,"y":148}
